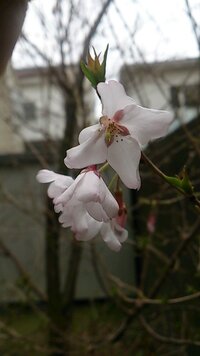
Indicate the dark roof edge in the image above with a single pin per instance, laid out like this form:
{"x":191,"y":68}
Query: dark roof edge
{"x":163,"y":65}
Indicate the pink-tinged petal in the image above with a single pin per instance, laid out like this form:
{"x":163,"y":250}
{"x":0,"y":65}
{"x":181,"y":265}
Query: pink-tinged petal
{"x":124,"y":157}
{"x":65,"y":219}
{"x":121,"y":233}
{"x":74,"y":215}
{"x":110,"y":204}
{"x":113,"y":97}
{"x":96,"y":211}
{"x":58,"y":208}
{"x":68,"y":212}
{"x":146,"y":124}
{"x":63,"y":181}
{"x":68,"y":193}
{"x":93,"y":229}
{"x":46,"y":176}
{"x":80,"y":220}
{"x":92,"y":151}
{"x":86,"y":133}
{"x":90,"y":188}
{"x":118,"y":115}
{"x":57,"y":187}
{"x":54,"y":191}
{"x":109,"y":237}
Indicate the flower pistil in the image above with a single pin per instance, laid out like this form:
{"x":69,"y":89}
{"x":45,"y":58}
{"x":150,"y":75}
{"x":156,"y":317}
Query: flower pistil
{"x":113,"y":129}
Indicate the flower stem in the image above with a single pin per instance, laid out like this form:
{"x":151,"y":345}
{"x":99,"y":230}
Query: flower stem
{"x":104,"y":167}
{"x":112,"y":181}
{"x":192,"y":197}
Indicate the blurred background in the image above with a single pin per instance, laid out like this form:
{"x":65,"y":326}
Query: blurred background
{"x":58,"y":296}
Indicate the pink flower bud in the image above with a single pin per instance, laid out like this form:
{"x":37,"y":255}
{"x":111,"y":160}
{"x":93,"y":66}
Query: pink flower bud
{"x":122,"y":213}
{"x":151,"y":223}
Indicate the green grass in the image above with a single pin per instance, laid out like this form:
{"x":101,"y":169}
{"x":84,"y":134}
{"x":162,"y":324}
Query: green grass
{"x":30,"y":329}
{"x":90,"y":322}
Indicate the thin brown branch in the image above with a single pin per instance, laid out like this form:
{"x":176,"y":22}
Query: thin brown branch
{"x":193,"y":22}
{"x":63,"y":83}
{"x":93,"y":29}
{"x":145,"y":300}
{"x":182,"y":246}
{"x":191,"y":197}
{"x":165,"y":339}
{"x":22,"y":271}
{"x":138,"y":308}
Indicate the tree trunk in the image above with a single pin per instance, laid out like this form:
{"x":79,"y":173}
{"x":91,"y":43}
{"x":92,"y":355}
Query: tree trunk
{"x":53,"y":278}
{"x":12,"y":14}
{"x":60,"y":304}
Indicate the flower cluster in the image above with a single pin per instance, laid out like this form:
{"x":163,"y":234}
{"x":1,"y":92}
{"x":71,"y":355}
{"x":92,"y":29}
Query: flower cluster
{"x":86,"y":204}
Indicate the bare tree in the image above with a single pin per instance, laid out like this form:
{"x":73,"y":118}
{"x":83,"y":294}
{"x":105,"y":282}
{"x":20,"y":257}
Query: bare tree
{"x":162,"y":305}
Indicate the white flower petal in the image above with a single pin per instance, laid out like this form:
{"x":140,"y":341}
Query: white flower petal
{"x":54,"y":190}
{"x":46,"y":176}
{"x":65,"y":219}
{"x":92,"y":151}
{"x":124,"y":157}
{"x":121,"y":233}
{"x":74,"y":215}
{"x":68,"y":193}
{"x":86,"y":133}
{"x":69,"y":210}
{"x":146,"y":124}
{"x":93,"y":229}
{"x":110,"y":204}
{"x":113,"y":97}
{"x":60,"y":180}
{"x":109,"y":237}
{"x":63,"y":181}
{"x":96,"y":211}
{"x":58,"y":208}
{"x":80,"y":219}
{"x":90,"y":188}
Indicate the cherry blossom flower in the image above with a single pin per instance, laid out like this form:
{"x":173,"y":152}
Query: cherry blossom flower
{"x":73,"y":211}
{"x":86,"y":228}
{"x":120,"y":134}
{"x":59,"y":183}
{"x":113,"y":234}
{"x":90,"y":189}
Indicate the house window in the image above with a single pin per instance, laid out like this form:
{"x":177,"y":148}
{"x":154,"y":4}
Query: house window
{"x":186,"y":95}
{"x":29,"y":110}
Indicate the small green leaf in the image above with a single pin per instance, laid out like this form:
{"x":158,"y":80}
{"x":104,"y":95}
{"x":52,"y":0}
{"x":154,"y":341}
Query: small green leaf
{"x":103,"y":65}
{"x":186,"y":184}
{"x":181,"y":182}
{"x":89,"y":75}
{"x":175,"y":182}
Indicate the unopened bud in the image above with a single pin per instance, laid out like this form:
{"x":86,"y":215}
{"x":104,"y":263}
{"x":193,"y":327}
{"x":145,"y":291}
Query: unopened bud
{"x":94,"y":70}
{"x":122,"y":213}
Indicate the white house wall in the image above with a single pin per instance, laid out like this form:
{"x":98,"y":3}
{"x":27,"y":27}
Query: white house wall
{"x":154,"y":83}
{"x":10,"y":142}
{"x":48,"y":100}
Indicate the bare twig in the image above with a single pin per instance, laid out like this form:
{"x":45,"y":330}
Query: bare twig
{"x":165,"y":339}
{"x":22,"y":271}
{"x":193,"y":22}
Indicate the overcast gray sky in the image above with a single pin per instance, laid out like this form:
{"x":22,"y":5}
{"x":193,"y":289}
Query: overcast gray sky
{"x":162,"y":30}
